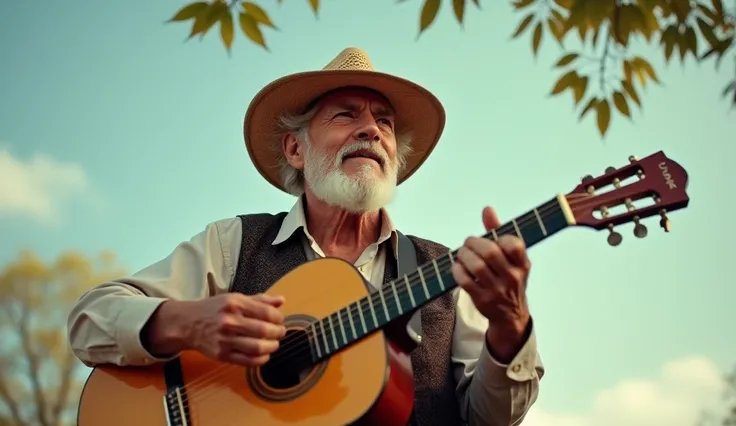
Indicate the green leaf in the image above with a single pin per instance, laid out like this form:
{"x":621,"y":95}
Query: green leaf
{"x":428,"y":15}
{"x":537,"y":38}
{"x":189,"y":11}
{"x":523,"y":25}
{"x":227,"y":32}
{"x":566,"y":60}
{"x":631,"y":91}
{"x":258,"y":14}
{"x":603,"y":109}
{"x":458,"y":6}
{"x":249,"y":26}
{"x":621,"y":105}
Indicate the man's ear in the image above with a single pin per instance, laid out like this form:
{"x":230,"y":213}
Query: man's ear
{"x":293,"y":150}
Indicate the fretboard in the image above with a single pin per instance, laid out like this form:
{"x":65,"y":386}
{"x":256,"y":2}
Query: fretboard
{"x":431,"y":280}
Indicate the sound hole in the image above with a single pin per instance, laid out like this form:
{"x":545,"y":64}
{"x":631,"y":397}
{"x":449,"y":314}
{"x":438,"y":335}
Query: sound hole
{"x":290,"y":372}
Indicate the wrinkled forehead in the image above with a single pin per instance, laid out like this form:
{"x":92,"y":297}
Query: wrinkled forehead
{"x":353,"y":98}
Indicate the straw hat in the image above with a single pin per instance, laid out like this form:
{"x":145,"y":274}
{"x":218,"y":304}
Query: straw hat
{"x":417,"y":110}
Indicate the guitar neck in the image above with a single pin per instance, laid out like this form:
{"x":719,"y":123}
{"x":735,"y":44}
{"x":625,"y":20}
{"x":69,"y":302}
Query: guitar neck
{"x":410,"y":292}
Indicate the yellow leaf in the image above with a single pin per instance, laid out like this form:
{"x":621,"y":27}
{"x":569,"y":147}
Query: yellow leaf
{"x":642,"y":67}
{"x":258,"y":14}
{"x":458,"y":6}
{"x":227,"y":32}
{"x":621,"y":105}
{"x":566,"y":60}
{"x":314,"y":4}
{"x":667,"y":39}
{"x":189,"y":11}
{"x":691,"y":40}
{"x":477,"y":3}
{"x":708,"y":32}
{"x":523,"y":25}
{"x":428,"y":15}
{"x":207,"y":18}
{"x":603,"y":109}
{"x":579,"y":87}
{"x":681,"y":8}
{"x":565,"y":4}
{"x":520,"y":4}
{"x":628,"y":72}
{"x":718,"y":7}
{"x":249,"y":26}
{"x":537,"y":38}
{"x":591,"y":104}
{"x":631,"y":91}
{"x":567,"y":80}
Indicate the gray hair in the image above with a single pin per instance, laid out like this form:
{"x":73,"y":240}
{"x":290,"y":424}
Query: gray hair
{"x":298,"y":124}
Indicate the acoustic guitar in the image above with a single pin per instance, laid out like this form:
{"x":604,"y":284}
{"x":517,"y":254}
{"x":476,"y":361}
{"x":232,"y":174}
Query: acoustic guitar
{"x":345,"y":358}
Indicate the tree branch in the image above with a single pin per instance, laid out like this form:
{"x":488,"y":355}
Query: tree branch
{"x":7,"y":398}
{"x":62,"y":398}
{"x":33,"y":367}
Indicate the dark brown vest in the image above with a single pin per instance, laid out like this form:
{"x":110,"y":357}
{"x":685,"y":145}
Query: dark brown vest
{"x":261,"y":264}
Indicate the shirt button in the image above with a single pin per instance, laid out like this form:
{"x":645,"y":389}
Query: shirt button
{"x":516,"y":368}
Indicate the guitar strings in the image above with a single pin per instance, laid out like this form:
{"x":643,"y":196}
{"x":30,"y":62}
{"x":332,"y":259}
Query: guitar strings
{"x":295,"y":344}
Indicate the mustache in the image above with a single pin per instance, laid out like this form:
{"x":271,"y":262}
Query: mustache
{"x":365,"y":147}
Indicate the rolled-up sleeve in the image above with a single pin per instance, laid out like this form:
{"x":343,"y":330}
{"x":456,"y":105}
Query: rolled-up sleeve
{"x":104,"y":325}
{"x":491,"y":393}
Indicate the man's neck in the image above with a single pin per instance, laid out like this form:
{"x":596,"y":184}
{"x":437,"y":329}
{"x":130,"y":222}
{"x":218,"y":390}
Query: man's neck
{"x":339,"y":232}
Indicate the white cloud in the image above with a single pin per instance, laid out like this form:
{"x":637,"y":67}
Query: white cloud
{"x":36,"y":188}
{"x":676,"y":398}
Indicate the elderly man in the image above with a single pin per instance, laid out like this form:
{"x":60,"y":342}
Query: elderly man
{"x":339,"y":139}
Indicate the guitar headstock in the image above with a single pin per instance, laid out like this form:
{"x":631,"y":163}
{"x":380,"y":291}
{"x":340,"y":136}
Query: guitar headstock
{"x":654,"y":185}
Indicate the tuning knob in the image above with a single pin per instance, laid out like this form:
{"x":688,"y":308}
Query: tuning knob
{"x":586,"y":178}
{"x":633,"y":158}
{"x":610,"y":169}
{"x":665,"y":221}
{"x":614,"y":238}
{"x":640,"y":231}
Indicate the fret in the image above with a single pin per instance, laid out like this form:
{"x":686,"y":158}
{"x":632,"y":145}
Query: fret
{"x":313,"y":340}
{"x":516,"y":228}
{"x":324,"y":337}
{"x":408,"y":290}
{"x":362,"y":318}
{"x":342,"y":327}
{"x":396,"y":296}
{"x":540,"y":222}
{"x":424,"y":283}
{"x":332,"y":331}
{"x":495,"y":235}
{"x":373,"y":312}
{"x":439,"y":276}
{"x":383,"y":303}
{"x":350,"y":320}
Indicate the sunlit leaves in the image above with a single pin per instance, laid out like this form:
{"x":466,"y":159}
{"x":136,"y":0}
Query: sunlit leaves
{"x":458,"y":8}
{"x":428,"y":14}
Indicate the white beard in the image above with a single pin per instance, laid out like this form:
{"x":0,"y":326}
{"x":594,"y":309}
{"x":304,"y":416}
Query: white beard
{"x":357,"y":194}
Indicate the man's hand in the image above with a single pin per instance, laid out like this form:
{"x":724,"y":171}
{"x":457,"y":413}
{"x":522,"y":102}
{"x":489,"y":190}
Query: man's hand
{"x":231,"y":327}
{"x":495,"y":274}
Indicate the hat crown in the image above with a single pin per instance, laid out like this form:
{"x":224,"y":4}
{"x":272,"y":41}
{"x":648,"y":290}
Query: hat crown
{"x":351,"y":58}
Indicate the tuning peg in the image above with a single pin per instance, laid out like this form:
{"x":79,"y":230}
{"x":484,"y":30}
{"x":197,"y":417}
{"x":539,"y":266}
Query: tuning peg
{"x":633,"y":158}
{"x":614,"y":238}
{"x":586,"y":178}
{"x":665,"y":221}
{"x":610,"y":169}
{"x":640,"y":231}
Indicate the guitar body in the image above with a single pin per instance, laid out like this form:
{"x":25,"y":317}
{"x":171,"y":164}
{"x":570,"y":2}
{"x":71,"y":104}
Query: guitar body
{"x":369,"y":382}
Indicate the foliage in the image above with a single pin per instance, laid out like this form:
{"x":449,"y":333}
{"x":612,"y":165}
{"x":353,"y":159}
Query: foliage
{"x":39,"y":376}
{"x":701,"y":29}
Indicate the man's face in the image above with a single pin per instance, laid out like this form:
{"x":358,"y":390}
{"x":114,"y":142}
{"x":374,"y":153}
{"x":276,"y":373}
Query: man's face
{"x":350,"y":158}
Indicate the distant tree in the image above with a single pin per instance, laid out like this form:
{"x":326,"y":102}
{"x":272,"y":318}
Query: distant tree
{"x":40,"y":378}
{"x":601,"y":76}
{"x":725,"y":415}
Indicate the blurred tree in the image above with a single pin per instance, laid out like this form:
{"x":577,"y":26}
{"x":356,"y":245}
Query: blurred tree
{"x":605,"y":30}
{"x":40,"y":378}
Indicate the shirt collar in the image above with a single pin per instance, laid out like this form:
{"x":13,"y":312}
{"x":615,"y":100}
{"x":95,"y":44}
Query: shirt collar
{"x":296,"y":220}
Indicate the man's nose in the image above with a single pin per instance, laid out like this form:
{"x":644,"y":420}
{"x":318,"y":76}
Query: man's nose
{"x":368,"y":130}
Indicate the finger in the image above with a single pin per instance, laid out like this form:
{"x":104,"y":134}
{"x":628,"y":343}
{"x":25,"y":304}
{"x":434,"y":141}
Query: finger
{"x":472,"y":263}
{"x":252,"y":327}
{"x":465,"y":280}
{"x":275,"y":301}
{"x":247,"y":361}
{"x":490,"y":220}
{"x":514,"y":250}
{"x":491,"y":255}
{"x":252,"y":346}
{"x":253,"y":308}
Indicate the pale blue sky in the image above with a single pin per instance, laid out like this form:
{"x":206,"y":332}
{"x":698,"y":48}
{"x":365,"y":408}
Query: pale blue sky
{"x":156,"y":125}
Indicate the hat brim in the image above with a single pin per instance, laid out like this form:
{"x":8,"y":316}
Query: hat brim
{"x":417,"y":110}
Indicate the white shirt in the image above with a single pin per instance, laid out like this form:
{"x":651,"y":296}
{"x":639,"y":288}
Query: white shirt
{"x":104,"y":326}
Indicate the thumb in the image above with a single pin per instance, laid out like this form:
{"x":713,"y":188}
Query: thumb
{"x":275,"y":301}
{"x":490,"y":220}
